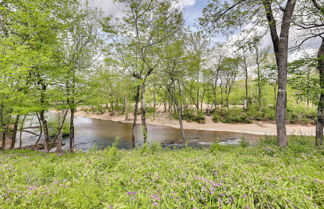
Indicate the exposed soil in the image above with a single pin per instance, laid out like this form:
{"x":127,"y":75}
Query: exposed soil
{"x":257,"y":127}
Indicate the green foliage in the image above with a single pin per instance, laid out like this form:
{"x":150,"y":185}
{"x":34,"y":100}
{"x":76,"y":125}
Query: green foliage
{"x":244,"y":142}
{"x":263,"y":176}
{"x":295,"y":114}
{"x":266,"y":113}
{"x":191,"y":115}
{"x":151,"y":148}
{"x":301,"y":114}
{"x":216,"y":147}
{"x":231,"y":115}
{"x":53,"y":128}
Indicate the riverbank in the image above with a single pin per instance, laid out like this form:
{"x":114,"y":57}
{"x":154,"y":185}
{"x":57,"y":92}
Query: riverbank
{"x":257,"y":127}
{"x":150,"y":177}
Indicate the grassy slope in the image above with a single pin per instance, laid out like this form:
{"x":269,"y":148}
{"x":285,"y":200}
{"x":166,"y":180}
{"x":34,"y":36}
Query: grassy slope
{"x":221,"y":177}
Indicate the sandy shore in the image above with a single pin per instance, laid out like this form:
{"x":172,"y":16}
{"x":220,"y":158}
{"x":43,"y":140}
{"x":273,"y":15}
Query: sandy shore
{"x":259,"y":128}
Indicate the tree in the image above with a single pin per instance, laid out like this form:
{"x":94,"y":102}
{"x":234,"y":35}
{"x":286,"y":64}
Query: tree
{"x":80,"y":51}
{"x":172,"y":74}
{"x":145,"y":26}
{"x":310,"y":22}
{"x":225,"y":15}
{"x":196,"y":45}
{"x":229,"y":70}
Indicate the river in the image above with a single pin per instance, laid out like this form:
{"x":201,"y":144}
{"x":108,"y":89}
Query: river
{"x":90,"y":133}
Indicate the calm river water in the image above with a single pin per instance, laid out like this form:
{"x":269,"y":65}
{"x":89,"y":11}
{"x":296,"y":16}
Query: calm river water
{"x":91,"y":133}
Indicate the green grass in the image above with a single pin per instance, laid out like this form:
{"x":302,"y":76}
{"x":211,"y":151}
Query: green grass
{"x":264,"y":176}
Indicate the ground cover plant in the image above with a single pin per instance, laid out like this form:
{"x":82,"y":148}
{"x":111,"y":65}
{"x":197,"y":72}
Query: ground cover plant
{"x":263,"y":176}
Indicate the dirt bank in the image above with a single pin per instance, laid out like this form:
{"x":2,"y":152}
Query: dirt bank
{"x":260,"y":128}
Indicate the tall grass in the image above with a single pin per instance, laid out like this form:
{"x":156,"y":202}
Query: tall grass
{"x":263,"y":176}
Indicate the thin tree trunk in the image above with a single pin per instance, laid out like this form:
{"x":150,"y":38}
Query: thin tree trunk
{"x":3,"y":140}
{"x":21,"y":131}
{"x":245,"y":68}
{"x":72,"y":111}
{"x":135,"y":115}
{"x":40,"y":131}
{"x":3,"y":135}
{"x":259,"y":80}
{"x":143,"y":112}
{"x":181,"y":125}
{"x":215,"y":88}
{"x":45,"y":128}
{"x":43,"y":119}
{"x":179,"y":105}
{"x":320,"y":108}
{"x":58,"y":137}
{"x":126,"y":108}
{"x":14,"y":133}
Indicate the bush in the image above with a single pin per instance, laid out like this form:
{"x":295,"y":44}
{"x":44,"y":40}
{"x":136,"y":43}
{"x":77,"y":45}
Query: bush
{"x":244,"y":142}
{"x":190,"y":115}
{"x":301,"y":114}
{"x":53,"y":128}
{"x":150,"y":148}
{"x":232,"y":115}
{"x":216,"y":147}
{"x":295,"y":114}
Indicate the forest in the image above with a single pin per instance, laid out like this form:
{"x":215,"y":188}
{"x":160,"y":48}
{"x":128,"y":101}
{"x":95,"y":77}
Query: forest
{"x":248,"y":63}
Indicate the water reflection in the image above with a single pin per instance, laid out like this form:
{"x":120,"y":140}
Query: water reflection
{"x":102,"y":133}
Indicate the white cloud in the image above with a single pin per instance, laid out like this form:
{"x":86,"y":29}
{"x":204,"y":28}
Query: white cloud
{"x":181,"y":4}
{"x":113,"y":8}
{"x":108,"y":7}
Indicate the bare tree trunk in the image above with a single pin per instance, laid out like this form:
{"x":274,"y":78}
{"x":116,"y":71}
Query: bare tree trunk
{"x":143,"y":111}
{"x":215,"y":87}
{"x":42,"y":117}
{"x":3,"y":125}
{"x":21,"y":131}
{"x":126,"y":108}
{"x":135,"y":115}
{"x":259,"y":80}
{"x":3,"y":140}
{"x":61,"y":121}
{"x":181,"y":125}
{"x":245,"y":68}
{"x":40,"y":130}
{"x":154,"y":100}
{"x":72,"y":111}
{"x":45,"y":128}
{"x":179,"y":105}
{"x":14,"y":133}
{"x":320,"y":108}
{"x":282,"y":102}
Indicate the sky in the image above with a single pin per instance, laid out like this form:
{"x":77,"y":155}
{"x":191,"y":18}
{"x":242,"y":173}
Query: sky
{"x":192,"y":9}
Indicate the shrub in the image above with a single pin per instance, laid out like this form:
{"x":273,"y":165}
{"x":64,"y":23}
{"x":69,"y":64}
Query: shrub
{"x":232,"y":115}
{"x":53,"y":128}
{"x":216,"y":147}
{"x":244,"y":142}
{"x":301,"y":114}
{"x":190,"y":115}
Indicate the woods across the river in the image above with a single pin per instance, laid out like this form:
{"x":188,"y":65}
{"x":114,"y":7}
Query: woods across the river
{"x":67,"y":55}
{"x":191,"y":80}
